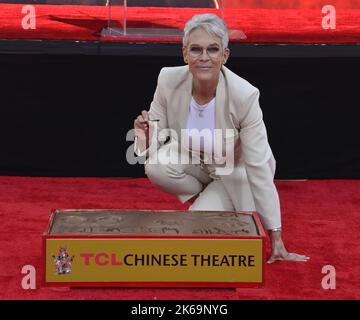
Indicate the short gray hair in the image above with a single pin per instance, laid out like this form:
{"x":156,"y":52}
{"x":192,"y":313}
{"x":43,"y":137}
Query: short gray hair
{"x":211,"y":23}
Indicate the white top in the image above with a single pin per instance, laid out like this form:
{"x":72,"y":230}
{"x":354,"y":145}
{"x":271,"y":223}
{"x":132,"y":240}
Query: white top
{"x":201,"y":125}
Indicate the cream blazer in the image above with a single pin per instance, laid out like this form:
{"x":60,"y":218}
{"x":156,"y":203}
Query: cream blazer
{"x":237,"y":108}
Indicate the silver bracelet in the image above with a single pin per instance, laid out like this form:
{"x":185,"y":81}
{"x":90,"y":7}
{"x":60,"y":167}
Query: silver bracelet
{"x":276,"y":230}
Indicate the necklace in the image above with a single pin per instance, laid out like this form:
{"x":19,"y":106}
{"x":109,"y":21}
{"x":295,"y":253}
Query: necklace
{"x":200,"y":112}
{"x":200,"y":108}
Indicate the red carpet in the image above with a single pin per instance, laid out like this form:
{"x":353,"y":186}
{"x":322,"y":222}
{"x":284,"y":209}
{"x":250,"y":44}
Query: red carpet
{"x":294,"y":25}
{"x":320,"y":219}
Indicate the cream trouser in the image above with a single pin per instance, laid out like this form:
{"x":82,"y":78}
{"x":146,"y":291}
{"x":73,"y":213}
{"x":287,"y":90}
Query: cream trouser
{"x":188,"y":180}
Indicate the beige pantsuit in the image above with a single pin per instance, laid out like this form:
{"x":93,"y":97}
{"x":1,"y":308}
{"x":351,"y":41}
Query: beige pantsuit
{"x":250,"y":186}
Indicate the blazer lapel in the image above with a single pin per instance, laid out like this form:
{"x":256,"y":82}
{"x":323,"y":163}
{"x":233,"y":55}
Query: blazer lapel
{"x":223,"y":114}
{"x":183,"y":104}
{"x":222,"y":120}
{"x":221,"y":105}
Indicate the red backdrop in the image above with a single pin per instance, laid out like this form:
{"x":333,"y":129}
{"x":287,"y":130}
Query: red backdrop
{"x":292,"y":4}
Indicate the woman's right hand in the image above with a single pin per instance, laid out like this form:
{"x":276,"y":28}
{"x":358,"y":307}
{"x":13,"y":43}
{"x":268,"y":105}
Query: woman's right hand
{"x":143,"y":126}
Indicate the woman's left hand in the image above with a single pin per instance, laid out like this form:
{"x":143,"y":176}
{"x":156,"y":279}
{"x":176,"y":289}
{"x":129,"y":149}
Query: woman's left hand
{"x":279,"y":252}
{"x":287,"y":257}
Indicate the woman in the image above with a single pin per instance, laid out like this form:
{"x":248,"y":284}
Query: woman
{"x":204,"y":94}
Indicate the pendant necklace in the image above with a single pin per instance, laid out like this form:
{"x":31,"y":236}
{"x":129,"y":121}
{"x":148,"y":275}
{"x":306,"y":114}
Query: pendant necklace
{"x":200,"y":112}
{"x":200,"y":109}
